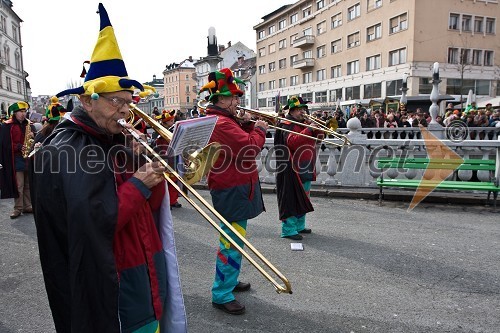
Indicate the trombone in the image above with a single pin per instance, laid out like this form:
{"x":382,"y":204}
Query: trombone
{"x":273,"y":118}
{"x":170,"y":171}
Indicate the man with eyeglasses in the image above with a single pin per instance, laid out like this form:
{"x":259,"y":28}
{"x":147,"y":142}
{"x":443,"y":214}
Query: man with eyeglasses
{"x":101,"y":211}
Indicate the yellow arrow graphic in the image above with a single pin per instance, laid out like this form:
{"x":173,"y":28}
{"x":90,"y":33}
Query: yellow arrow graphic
{"x":442,"y":163}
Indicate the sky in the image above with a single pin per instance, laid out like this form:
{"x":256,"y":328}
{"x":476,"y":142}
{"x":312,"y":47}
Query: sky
{"x":58,"y":35}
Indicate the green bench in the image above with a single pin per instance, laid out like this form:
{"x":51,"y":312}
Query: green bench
{"x":492,"y":186}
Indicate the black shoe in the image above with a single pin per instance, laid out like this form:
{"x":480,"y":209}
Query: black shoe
{"x":233,"y":307}
{"x":294,"y":237}
{"x":176,"y":205}
{"x":305,"y":231}
{"x":242,"y":286}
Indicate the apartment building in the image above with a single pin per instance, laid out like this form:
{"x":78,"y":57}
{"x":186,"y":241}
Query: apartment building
{"x":180,"y":85}
{"x":13,"y":84}
{"x":330,"y":50}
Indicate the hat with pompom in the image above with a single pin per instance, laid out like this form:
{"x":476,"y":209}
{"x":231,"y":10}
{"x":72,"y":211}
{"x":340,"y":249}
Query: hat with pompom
{"x":107,"y":72}
{"x":295,"y":102}
{"x":166,"y":116}
{"x":18,"y":106}
{"x":55,"y":110}
{"x":222,"y":83}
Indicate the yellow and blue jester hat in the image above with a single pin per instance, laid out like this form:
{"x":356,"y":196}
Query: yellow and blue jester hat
{"x":107,"y":72}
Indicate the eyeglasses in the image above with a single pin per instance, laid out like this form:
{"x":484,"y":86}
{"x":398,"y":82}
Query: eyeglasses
{"x":116,"y":102}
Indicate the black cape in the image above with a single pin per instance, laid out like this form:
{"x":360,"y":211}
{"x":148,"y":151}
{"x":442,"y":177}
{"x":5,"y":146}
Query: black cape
{"x":76,"y":210}
{"x":292,"y":198}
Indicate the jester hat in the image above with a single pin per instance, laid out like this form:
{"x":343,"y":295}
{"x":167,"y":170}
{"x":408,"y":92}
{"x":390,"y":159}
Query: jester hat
{"x":18,"y":106}
{"x":55,"y":110}
{"x":296,"y":102}
{"x":165,"y":116}
{"x":222,"y":83}
{"x":107,"y":72}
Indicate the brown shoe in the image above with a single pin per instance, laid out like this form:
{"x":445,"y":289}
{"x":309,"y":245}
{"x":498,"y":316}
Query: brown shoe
{"x":28,"y":210}
{"x":233,"y":307}
{"x":15,"y":214}
{"x":242,"y":286}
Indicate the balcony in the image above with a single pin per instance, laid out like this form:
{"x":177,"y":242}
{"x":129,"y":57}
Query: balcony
{"x":304,"y":41}
{"x":303,"y":63}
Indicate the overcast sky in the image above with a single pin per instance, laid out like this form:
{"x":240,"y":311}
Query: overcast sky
{"x":58,"y":35}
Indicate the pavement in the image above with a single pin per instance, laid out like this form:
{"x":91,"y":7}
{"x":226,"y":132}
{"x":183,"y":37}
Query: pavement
{"x":365,"y":268}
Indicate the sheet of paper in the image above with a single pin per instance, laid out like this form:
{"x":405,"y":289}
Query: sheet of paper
{"x":296,"y":246}
{"x":191,"y":133}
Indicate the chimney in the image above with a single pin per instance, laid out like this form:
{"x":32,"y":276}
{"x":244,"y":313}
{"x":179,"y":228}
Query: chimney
{"x":221,"y":48}
{"x":190,"y":59}
{"x":229,"y":44}
{"x":240,"y":60}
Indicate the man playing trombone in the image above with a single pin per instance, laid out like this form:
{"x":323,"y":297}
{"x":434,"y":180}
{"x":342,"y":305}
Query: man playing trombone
{"x":233,"y":181}
{"x":295,"y":168}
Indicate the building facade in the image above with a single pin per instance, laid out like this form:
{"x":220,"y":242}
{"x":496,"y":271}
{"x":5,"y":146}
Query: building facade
{"x":180,"y":86}
{"x":338,"y":50}
{"x":13,"y":84}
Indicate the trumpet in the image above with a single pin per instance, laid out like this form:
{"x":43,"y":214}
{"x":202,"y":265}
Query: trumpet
{"x":170,"y":171}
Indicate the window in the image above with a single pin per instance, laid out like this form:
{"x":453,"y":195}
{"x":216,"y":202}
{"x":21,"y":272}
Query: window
{"x":398,"y":23}
{"x":336,"y":20}
{"x":262,"y":86}
{"x":272,"y":84}
{"x":353,"y":12}
{"x":262,"y":51}
{"x":321,"y":28}
{"x":320,"y":75}
{"x":477,"y":56}
{"x":19,"y":87}
{"x":465,"y":56}
{"x":373,"y":90}
{"x":294,"y":80}
{"x":281,"y":24}
{"x":307,"y":77}
{"x":373,"y":62}
{"x":272,"y":66}
{"x":262,"y":69}
{"x":307,"y":96}
{"x":306,"y":12}
{"x":308,"y":54}
{"x":478,"y":87}
{"x":352,"y":93}
{"x":282,"y":63}
{"x":353,"y":67}
{"x":270,"y":102}
{"x":321,"y":51}
{"x":374,"y":32}
{"x":18,"y":61}
{"x":272,"y":48}
{"x":294,"y":18}
{"x":320,"y":97}
{"x":282,"y":44}
{"x":466,"y":22}
{"x":293,"y":38}
{"x":14,"y":33}
{"x":187,"y":88}
{"x":282,"y":83}
{"x":397,"y":57}
{"x":9,"y":83}
{"x":374,"y":4}
{"x":353,"y":40}
{"x":3,"y":23}
{"x":337,"y":46}
{"x":261,"y":34}
{"x":272,"y":29}
{"x":335,"y":95}
{"x":262,"y":102}
{"x":188,"y":99}
{"x":478,"y":24}
{"x":336,"y":71}
{"x":320,"y":4}
{"x":6,"y":54}
{"x":488,"y":58}
{"x":307,"y":32}
{"x":293,"y":59}
{"x":453,"y":21}
{"x":490,"y":25}
{"x":393,"y":87}
{"x":453,"y":55}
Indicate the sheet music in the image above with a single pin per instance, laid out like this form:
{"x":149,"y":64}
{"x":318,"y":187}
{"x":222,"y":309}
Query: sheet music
{"x":190,"y":133}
